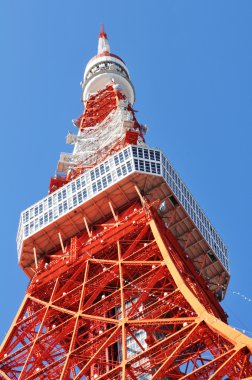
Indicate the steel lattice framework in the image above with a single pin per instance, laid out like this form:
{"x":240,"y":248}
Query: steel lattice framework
{"x":126,"y":271}
{"x":122,"y":304}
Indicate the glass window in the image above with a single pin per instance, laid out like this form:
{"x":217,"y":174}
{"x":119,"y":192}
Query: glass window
{"x":70,"y":203}
{"x":83,"y":181}
{"x":97,"y":173}
{"x":45,"y":204}
{"x":153,"y":167}
{"x":147,"y":166}
{"x":64,"y":193}
{"x":55,"y":212}
{"x":140,"y":152}
{"x":40,"y":208}
{"x":65,"y":205}
{"x":204,"y":231}
{"x":136,"y":164}
{"x":119,"y":172}
{"x":157,"y":155}
{"x":31,"y":227}
{"x":69,"y":191}
{"x":104,"y":181}
{"x":109,"y":178}
{"x":141,"y":165}
{"x":99,"y":185}
{"x":73,"y":187}
{"x":102,"y":169}
{"x":124,"y":170}
{"x":152,"y":157}
{"x":179,"y":195}
{"x":134,"y":149}
{"x":128,"y":163}
{"x":146,"y":154}
{"x":193,"y":216}
{"x":26,"y":230}
{"x":78,"y":183}
{"x":59,"y":196}
{"x":92,"y":174}
{"x":46,"y":217}
{"x":79,"y":197}
{"x":106,"y":166}
{"x":84,"y":193}
{"x":116,"y":159}
{"x":60,"y":208}
{"x":54,"y":198}
{"x":26,"y":216}
{"x":75,"y":200}
{"x":50,"y":215}
{"x":121,"y":157}
{"x":126,"y":153}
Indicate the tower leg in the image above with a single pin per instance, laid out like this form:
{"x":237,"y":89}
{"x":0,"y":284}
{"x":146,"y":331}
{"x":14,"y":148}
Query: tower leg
{"x":128,"y":307}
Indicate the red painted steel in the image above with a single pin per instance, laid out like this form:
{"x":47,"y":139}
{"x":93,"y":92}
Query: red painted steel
{"x":87,"y":305}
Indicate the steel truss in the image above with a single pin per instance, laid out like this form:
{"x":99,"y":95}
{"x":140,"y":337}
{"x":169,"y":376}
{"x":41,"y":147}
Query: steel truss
{"x":107,"y":124}
{"x":121,"y":301}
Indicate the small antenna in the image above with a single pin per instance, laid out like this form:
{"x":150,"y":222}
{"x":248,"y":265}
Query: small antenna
{"x":102,"y":33}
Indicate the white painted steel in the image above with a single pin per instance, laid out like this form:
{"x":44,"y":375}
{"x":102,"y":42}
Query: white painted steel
{"x":114,"y":169}
{"x":99,"y":81}
{"x":95,"y":61}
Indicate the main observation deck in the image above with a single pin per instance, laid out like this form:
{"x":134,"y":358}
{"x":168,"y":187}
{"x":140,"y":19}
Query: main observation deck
{"x":115,"y":180}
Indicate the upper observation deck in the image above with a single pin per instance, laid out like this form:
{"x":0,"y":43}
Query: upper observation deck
{"x":114,"y":180}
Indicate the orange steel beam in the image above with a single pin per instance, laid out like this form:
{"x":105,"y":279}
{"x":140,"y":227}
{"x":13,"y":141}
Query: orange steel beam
{"x":123,"y":313}
{"x":89,"y":363}
{"x":161,"y":370}
{"x":222,"y":328}
{"x":124,"y":308}
{"x":72,"y":343}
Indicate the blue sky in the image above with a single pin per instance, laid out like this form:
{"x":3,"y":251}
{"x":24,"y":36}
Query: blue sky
{"x":190,"y":62}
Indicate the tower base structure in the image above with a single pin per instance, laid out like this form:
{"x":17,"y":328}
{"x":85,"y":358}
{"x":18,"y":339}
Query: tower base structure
{"x":120,"y":300}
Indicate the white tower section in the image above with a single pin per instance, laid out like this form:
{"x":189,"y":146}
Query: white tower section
{"x":108,"y":122}
{"x":105,"y":67}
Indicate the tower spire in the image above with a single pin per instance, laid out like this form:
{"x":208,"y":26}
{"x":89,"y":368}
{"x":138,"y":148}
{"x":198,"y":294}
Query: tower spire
{"x":103,"y":68}
{"x":103,"y":45}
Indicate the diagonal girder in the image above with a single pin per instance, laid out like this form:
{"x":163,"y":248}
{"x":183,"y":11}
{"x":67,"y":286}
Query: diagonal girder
{"x":127,"y":308}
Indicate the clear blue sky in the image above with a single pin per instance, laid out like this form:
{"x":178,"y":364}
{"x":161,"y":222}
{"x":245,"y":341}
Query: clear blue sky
{"x":190,"y":62}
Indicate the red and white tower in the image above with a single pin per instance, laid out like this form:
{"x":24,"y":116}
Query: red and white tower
{"x":126,"y":271}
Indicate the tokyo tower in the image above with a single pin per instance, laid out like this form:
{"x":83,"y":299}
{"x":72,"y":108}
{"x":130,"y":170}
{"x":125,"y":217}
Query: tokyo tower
{"x":126,"y":271}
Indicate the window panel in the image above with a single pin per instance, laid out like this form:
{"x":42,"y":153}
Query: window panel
{"x":129,"y":166}
{"x":140,"y":153}
{"x":44,"y":215}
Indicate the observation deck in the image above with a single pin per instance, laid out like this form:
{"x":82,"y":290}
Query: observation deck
{"x":114,"y":180}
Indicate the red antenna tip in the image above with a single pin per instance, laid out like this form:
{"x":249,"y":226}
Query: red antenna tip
{"x":102,"y":33}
